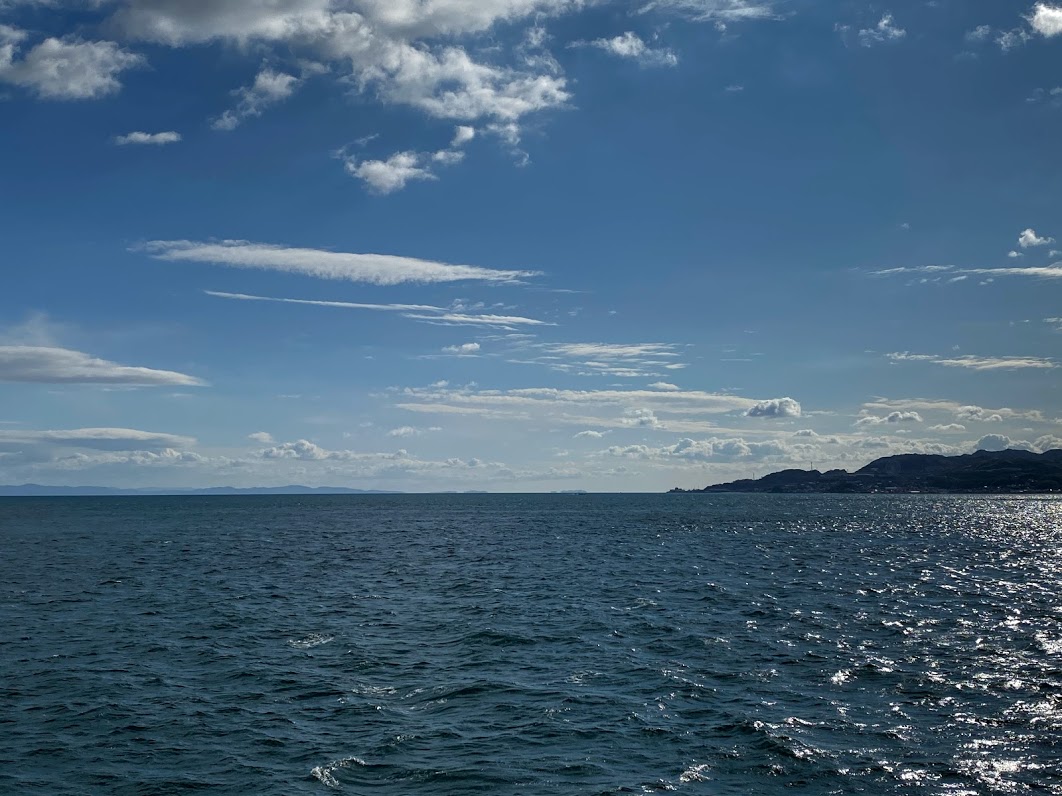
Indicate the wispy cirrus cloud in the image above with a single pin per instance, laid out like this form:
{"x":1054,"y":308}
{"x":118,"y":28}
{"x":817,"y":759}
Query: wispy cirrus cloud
{"x":96,"y":439}
{"x":632,"y":47}
{"x":973,"y":362}
{"x":951,"y":271}
{"x":374,"y":269}
{"x":885,"y":31}
{"x":715,"y":10}
{"x":348,"y":305}
{"x":622,"y":360}
{"x":53,"y":365}
{"x":268,"y":88}
{"x":426,"y":313}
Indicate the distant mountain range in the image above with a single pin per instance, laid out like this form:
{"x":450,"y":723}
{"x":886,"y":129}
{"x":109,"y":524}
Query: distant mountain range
{"x":998,"y":472}
{"x":37,"y":490}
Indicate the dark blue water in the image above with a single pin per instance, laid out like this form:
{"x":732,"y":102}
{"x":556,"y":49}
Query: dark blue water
{"x":531,"y":645}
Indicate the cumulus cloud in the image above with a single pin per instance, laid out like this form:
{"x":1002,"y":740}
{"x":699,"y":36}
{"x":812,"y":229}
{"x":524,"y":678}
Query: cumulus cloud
{"x":156,"y":139}
{"x":264,"y":437}
{"x":589,"y":434}
{"x":1000,"y":442}
{"x":64,"y":69}
{"x":393,"y":174}
{"x":885,"y":31}
{"x":775,"y":407}
{"x":376,"y":269}
{"x":948,"y":428}
{"x":664,"y":385}
{"x":462,"y":135}
{"x":269,"y":88}
{"x":973,"y":362}
{"x":892,"y":417}
{"x":641,"y":418}
{"x":403,"y":52}
{"x":51,"y":365}
{"x":630,"y":45}
{"x":1046,"y":19}
{"x":405,"y":431}
{"x":703,"y":450}
{"x":1029,"y":238}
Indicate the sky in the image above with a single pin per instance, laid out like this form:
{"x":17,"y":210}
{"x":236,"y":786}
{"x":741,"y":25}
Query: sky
{"x":523,"y":245}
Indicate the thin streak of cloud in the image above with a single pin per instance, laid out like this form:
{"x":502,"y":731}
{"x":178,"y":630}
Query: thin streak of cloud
{"x":375,"y":269}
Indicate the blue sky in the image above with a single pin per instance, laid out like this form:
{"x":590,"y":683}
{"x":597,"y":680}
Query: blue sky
{"x":523,"y":244}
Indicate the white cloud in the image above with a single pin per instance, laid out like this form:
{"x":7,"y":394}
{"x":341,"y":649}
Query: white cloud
{"x":664,"y":385}
{"x":1013,"y":254}
{"x":716,"y":10}
{"x":109,"y":439}
{"x":263,"y":437}
{"x":1046,"y":19}
{"x":947,"y":428}
{"x":884,"y":31}
{"x":376,"y":269}
{"x":463,"y":319}
{"x":622,"y":360}
{"x":462,"y":135}
{"x":962,"y":411}
{"x":158,"y":139}
{"x":51,"y":365}
{"x":1000,"y":442}
{"x":892,"y":417}
{"x":976,"y":362}
{"x":405,"y":431}
{"x":64,"y":69}
{"x":465,"y":349}
{"x":393,"y":174}
{"x":711,"y":449}
{"x":589,"y":434}
{"x":979,"y":34}
{"x":1009,"y":39}
{"x":775,"y":407}
{"x":401,"y":51}
{"x":1039,"y":272}
{"x":441,"y":316}
{"x":1029,"y":238}
{"x":349,"y":305}
{"x":641,"y":418}
{"x":630,"y":45}
{"x":269,"y":88}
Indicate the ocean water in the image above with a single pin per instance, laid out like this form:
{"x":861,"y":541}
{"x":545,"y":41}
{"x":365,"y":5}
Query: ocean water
{"x":478,"y":644}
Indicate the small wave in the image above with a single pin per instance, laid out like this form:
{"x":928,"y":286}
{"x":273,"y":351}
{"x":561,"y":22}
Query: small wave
{"x":326,"y":773}
{"x":696,"y":773}
{"x":312,"y":640}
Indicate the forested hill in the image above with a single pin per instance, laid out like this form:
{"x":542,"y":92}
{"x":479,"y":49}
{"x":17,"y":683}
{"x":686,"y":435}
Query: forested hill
{"x":984,"y":471}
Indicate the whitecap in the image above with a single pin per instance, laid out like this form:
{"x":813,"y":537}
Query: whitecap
{"x":841,"y":677}
{"x":312,"y":640}
{"x":326,"y":773}
{"x":696,"y":773}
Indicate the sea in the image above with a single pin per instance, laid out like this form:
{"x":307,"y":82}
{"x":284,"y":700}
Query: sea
{"x":531,"y":644}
